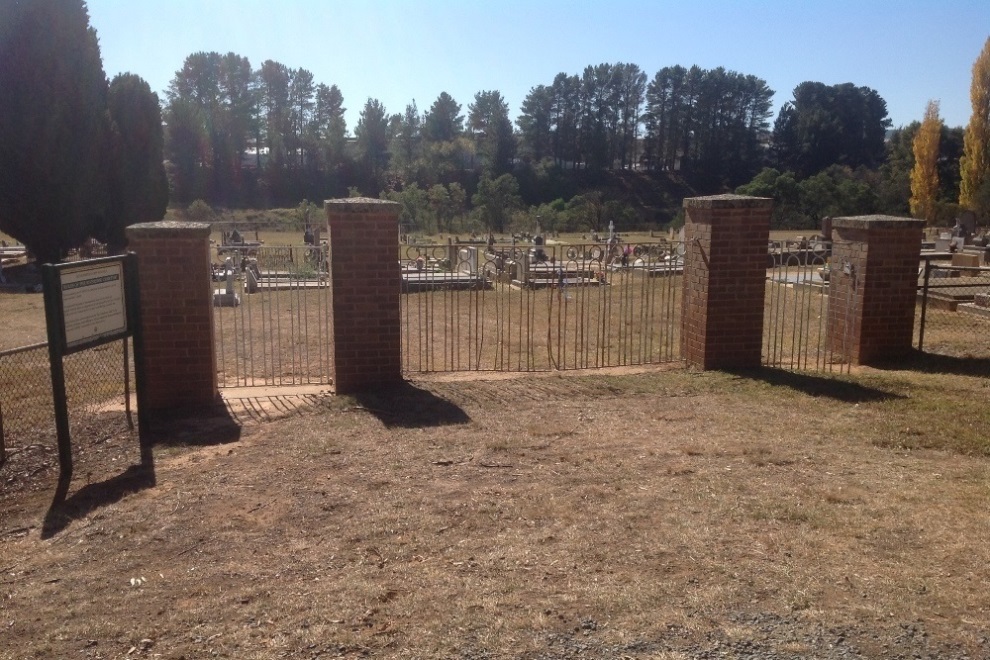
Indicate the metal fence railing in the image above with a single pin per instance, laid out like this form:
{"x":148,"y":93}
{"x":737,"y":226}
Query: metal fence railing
{"x":539,"y":307}
{"x":953,"y":311}
{"x":271,"y":317}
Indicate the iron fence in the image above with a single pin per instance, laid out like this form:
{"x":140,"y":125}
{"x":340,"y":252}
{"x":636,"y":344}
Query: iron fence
{"x":539,"y":307}
{"x":953,"y":311}
{"x":271,"y":317}
{"x":795,"y":318}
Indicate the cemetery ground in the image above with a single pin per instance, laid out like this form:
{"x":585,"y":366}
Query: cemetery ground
{"x":656,"y":513}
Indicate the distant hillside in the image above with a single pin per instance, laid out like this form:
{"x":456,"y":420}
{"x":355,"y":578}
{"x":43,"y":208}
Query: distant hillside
{"x":655,"y":196}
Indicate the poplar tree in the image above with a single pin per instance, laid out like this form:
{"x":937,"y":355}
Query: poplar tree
{"x":974,"y":187}
{"x":924,"y":175}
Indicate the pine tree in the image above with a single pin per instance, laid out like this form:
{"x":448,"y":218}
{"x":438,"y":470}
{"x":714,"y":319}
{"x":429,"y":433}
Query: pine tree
{"x":974,"y":188}
{"x":924,"y":175}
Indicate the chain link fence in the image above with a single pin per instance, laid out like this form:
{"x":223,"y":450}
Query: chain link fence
{"x":98,"y":384}
{"x":953,"y":311}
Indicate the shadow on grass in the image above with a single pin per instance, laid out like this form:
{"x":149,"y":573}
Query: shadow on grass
{"x":90,"y":497}
{"x":933,"y":363}
{"x":199,"y":427}
{"x":817,"y":385}
{"x":404,"y":405}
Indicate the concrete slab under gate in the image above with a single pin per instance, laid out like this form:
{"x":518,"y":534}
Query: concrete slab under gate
{"x":262,"y":404}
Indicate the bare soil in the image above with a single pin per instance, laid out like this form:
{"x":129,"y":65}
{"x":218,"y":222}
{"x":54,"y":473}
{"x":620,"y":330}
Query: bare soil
{"x":619,"y":514}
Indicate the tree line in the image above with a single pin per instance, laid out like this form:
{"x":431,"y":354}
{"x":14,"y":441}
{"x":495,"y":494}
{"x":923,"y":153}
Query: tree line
{"x":81,"y":156}
{"x":829,"y":163}
{"x":238,"y":136}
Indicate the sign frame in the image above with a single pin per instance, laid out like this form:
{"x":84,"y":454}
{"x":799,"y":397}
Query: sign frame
{"x":111,"y":284}
{"x":84,"y":294}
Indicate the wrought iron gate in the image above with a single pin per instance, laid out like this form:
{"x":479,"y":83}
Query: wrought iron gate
{"x":271,"y":317}
{"x":795,"y":318}
{"x":538,"y":307}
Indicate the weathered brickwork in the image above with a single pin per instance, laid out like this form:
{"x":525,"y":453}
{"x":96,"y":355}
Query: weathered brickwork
{"x":873,"y":287}
{"x":180,"y":369}
{"x":725,"y":265}
{"x":365,"y":300}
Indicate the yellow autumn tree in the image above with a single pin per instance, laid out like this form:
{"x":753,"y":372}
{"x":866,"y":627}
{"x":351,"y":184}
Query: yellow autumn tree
{"x":974,"y":167}
{"x":924,"y":176}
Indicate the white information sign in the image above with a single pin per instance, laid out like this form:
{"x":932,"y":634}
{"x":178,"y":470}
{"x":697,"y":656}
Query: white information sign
{"x":93,"y":304}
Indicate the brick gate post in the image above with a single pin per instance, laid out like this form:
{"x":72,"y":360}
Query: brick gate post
{"x":175,"y":288}
{"x":365,"y":330}
{"x":725,"y":266}
{"x":873,"y":287}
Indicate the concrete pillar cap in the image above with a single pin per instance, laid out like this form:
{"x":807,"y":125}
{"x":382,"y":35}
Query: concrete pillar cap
{"x":165,"y":228}
{"x":361,"y":205}
{"x":875,"y":222}
{"x":727,"y":202}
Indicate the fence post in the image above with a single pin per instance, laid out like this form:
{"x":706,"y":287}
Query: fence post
{"x":873,"y":287}
{"x":178,"y":361}
{"x":3,"y":445}
{"x":365,"y":308}
{"x":725,"y":267}
{"x":924,"y":305}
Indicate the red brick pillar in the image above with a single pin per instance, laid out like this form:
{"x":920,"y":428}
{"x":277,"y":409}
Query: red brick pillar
{"x":180,"y":364}
{"x":873,"y":287}
{"x":365,"y":288}
{"x":725,"y":267}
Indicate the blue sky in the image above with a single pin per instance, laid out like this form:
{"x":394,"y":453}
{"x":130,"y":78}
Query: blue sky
{"x":397,"y":51}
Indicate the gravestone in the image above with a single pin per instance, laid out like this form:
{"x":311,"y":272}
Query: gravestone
{"x":227,"y":297}
{"x":251,"y":280}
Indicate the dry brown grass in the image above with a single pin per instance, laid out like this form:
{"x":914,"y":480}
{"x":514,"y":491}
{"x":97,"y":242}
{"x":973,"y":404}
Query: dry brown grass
{"x":662,"y":514}
{"x":23,"y":316}
{"x":955,"y":333}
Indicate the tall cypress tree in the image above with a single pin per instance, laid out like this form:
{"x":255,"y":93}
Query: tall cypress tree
{"x":53,"y":128}
{"x":138,"y":189}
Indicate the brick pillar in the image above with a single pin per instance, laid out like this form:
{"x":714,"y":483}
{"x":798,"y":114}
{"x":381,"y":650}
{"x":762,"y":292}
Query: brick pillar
{"x":180,"y":364}
{"x":873,"y":287}
{"x":725,"y":267}
{"x":365,"y":288}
